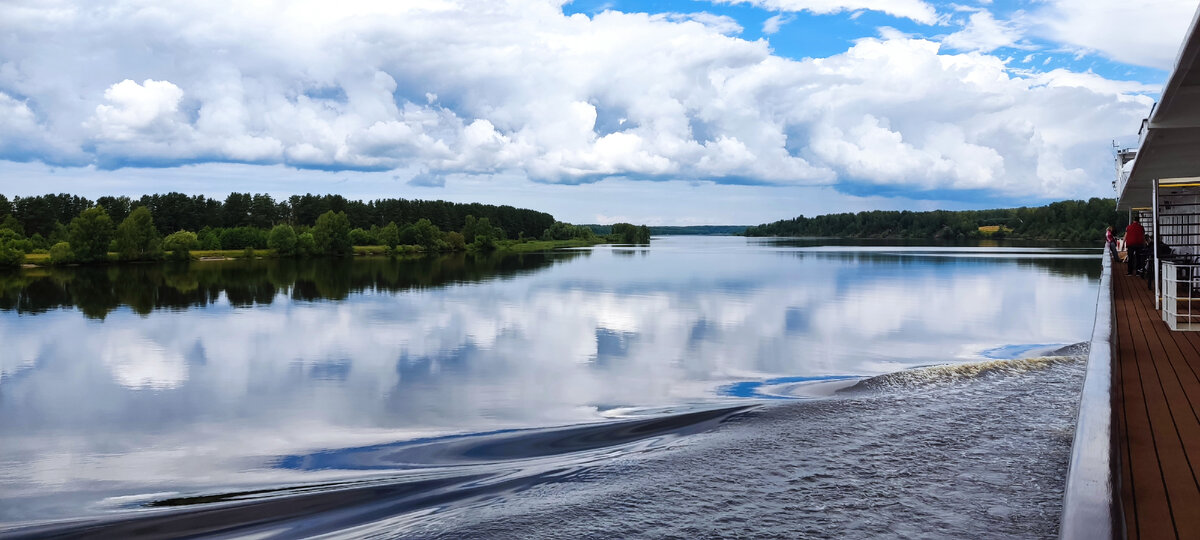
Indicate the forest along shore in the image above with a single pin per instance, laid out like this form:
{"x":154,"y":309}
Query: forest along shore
{"x":1070,"y":221}
{"x":68,"y":229}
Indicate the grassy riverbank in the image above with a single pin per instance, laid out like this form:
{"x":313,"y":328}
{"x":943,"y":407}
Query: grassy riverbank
{"x":503,"y":246}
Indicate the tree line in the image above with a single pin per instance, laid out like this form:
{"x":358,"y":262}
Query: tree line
{"x":135,"y":230}
{"x":1073,"y":221}
{"x":622,"y":233}
{"x":174,"y":211}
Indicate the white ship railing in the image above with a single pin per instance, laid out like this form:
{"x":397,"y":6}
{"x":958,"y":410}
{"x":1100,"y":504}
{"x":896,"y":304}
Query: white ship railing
{"x":1090,"y":509}
{"x":1181,"y":295}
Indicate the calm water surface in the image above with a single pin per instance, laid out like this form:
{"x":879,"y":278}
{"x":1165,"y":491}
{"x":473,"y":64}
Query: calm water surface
{"x":414,"y":397}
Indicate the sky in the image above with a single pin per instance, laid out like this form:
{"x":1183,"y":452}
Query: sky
{"x":673,"y":112}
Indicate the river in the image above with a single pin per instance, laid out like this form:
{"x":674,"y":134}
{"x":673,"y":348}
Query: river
{"x":699,"y":386}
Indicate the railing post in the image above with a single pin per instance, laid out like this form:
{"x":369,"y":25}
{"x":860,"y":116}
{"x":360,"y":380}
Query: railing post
{"x":1154,"y":249}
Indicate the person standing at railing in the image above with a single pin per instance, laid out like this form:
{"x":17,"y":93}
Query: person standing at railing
{"x":1111,"y":243}
{"x":1135,"y":238}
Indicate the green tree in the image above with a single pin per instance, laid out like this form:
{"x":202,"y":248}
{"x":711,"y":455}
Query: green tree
{"x":283,"y":240}
{"x":118,"y":208}
{"x":11,"y":254}
{"x":468,"y":231}
{"x":455,"y":241}
{"x":566,"y":231}
{"x":60,"y":253}
{"x":422,"y":233}
{"x":12,"y":224}
{"x":626,"y":233}
{"x":243,"y":237}
{"x":332,"y":234}
{"x":306,"y":245}
{"x":236,"y":211}
{"x":263,"y":211}
{"x":390,"y":235}
{"x":360,"y":237}
{"x":90,"y":234}
{"x":137,"y":239}
{"x":209,"y":238}
{"x":180,"y":244}
{"x":37,"y":241}
{"x":14,"y":240}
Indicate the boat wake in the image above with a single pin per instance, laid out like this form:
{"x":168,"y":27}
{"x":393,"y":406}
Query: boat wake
{"x":909,"y":448}
{"x":942,"y":374}
{"x":427,"y":474}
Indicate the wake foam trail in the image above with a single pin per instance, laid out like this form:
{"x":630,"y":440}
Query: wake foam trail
{"x":515,"y":461}
{"x":1078,"y":349}
{"x":944,"y":374}
{"x":982,"y":458}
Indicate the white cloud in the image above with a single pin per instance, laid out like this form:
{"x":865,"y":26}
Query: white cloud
{"x":23,"y":137}
{"x":521,"y":89}
{"x":20,"y":126}
{"x":1060,"y":78}
{"x":1147,"y":32}
{"x":138,"y":109}
{"x":983,"y":33}
{"x":775,"y":22}
{"x":916,"y":10}
{"x":898,"y":112}
{"x":721,"y":23}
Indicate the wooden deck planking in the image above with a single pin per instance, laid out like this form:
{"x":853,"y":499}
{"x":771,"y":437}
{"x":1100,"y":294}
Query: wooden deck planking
{"x":1182,"y":389}
{"x":1162,"y":393}
{"x":1156,"y":403}
{"x":1147,"y":513}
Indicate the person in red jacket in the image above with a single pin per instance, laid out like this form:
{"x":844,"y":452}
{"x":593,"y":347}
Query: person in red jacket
{"x":1135,"y":240}
{"x":1110,"y":243}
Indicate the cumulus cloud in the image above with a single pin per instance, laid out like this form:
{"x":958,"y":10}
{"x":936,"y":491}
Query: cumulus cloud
{"x":24,"y":137}
{"x":983,"y":33}
{"x":519,"y":88}
{"x":989,"y":129}
{"x":1145,"y":33}
{"x":150,"y":108}
{"x":19,"y":125}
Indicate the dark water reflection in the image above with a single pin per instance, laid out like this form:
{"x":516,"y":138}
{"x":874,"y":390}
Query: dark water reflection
{"x":97,"y":291}
{"x":126,"y":385}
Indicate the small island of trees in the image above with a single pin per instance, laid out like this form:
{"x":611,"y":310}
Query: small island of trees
{"x":67,"y":229}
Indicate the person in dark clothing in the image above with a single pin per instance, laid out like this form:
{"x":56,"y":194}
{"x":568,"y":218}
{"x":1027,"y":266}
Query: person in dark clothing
{"x":1135,"y":238}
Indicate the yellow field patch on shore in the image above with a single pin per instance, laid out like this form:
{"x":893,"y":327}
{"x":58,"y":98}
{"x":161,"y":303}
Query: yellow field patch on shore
{"x":993,"y":229}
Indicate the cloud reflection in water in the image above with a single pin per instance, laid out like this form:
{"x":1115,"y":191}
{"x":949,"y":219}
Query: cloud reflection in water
{"x":166,"y":395}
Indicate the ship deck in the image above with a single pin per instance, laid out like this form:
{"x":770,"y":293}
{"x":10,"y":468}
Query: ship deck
{"x":1156,"y":405}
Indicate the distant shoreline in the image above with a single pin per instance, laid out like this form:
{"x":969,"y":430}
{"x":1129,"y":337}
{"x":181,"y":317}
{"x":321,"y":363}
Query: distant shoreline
{"x":39,"y":260}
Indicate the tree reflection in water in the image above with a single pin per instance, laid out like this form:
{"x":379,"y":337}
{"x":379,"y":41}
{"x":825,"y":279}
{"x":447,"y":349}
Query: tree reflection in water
{"x":98,"y":290}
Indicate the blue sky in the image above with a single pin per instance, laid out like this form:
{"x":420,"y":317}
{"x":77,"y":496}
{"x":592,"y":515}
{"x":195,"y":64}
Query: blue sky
{"x":806,"y":34}
{"x":665,"y":112}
